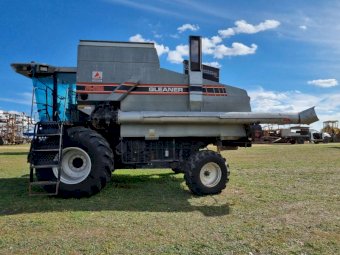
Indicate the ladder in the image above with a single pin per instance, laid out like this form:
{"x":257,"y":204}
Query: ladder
{"x":46,"y":154}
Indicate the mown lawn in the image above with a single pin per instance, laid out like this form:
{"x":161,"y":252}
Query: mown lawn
{"x":281,"y":199}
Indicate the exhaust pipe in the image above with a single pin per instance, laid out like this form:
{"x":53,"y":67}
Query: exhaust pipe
{"x":156,"y":117}
{"x":195,"y":73}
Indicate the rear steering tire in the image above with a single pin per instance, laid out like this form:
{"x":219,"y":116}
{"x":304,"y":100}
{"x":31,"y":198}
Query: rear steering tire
{"x":206,"y":173}
{"x":87,"y":164}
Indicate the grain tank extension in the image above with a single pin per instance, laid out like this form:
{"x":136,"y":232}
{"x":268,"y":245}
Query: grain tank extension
{"x":119,"y":109}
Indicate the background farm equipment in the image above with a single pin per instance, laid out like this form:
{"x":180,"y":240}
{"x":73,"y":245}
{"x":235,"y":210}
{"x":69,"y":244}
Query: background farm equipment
{"x":15,"y":128}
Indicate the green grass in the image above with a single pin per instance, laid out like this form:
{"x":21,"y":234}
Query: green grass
{"x":281,"y":199}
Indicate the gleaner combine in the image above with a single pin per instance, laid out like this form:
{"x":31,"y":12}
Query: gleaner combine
{"x":119,"y":109}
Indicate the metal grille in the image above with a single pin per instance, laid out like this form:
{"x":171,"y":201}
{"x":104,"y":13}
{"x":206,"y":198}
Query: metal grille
{"x":41,"y":143}
{"x":141,"y":151}
{"x":45,"y":158}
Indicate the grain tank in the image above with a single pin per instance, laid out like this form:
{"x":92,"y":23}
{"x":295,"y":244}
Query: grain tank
{"x":119,"y":109}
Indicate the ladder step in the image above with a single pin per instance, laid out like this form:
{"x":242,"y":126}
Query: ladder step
{"x":55,"y":134}
{"x":42,"y":194}
{"x":44,"y":166}
{"x":49,"y":122}
{"x":45,"y":150}
{"x":39,"y":183}
{"x":43,"y":183}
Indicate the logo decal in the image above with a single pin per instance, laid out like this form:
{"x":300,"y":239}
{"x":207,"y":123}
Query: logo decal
{"x":165,"y":89}
{"x":97,"y":76}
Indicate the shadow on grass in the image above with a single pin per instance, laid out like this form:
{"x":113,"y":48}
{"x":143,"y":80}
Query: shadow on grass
{"x":13,"y":153}
{"x":140,"y":193}
{"x":334,"y":147}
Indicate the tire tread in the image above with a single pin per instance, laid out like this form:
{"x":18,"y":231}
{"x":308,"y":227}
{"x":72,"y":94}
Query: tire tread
{"x":193,"y":168}
{"x":98,"y":178}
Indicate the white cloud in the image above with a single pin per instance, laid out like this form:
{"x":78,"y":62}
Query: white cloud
{"x":149,"y":7}
{"x":186,"y":27}
{"x":137,"y":38}
{"x":274,"y":101}
{"x":175,"y":36}
{"x":326,"y":105}
{"x":183,"y":49}
{"x":22,"y":98}
{"x":216,"y":39}
{"x":322,"y":29}
{"x":156,"y":35}
{"x":226,"y":32}
{"x":176,"y":56}
{"x":160,"y":48}
{"x":324,"y":83}
{"x":236,"y":49}
{"x":209,"y":44}
{"x":242,"y":27}
{"x":213,"y":64}
{"x":212,"y":46}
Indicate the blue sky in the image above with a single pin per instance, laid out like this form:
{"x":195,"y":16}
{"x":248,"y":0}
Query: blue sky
{"x":284,"y":53}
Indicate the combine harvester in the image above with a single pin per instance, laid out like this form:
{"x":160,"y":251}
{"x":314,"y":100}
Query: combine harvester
{"x":119,"y":109}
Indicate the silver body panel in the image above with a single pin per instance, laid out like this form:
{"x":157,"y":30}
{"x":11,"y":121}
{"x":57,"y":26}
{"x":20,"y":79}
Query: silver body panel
{"x":120,"y":64}
{"x":226,"y":126}
{"x":306,"y":117}
{"x":199,"y":109}
{"x":151,"y":131}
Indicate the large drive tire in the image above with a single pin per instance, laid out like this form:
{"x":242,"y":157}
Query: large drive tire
{"x":206,"y":173}
{"x":87,"y":164}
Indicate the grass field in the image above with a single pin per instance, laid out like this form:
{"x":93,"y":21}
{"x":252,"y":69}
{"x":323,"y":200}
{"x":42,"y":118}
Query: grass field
{"x":281,"y":199}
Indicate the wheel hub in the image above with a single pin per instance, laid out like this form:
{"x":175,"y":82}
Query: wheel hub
{"x":78,"y":162}
{"x":75,"y":166}
{"x":210,"y":174}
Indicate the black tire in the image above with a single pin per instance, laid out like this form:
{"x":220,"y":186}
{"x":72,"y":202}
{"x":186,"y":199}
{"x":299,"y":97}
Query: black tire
{"x":101,"y":157}
{"x":292,"y":141}
{"x":177,"y":170}
{"x":193,"y":173}
{"x":300,"y":141}
{"x":1,"y":141}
